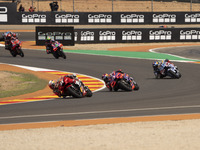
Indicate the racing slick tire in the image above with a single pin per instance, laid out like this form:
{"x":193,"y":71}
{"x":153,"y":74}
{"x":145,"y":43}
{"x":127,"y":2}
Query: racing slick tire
{"x":74,"y":92}
{"x":174,"y":75}
{"x":13,"y":53}
{"x":124,"y":85}
{"x":63,"y":54}
{"x":89,"y":93}
{"x":21,"y":53}
{"x":136,"y":87}
{"x":55,"y":54}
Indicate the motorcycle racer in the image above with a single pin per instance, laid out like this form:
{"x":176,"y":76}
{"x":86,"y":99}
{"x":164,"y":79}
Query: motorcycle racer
{"x":48,"y":44}
{"x":52,"y":45}
{"x":159,"y":67}
{"x":58,"y":86}
{"x":110,"y":78}
{"x":55,"y":87}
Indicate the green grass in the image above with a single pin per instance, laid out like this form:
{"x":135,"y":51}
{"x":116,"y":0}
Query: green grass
{"x":20,"y":83}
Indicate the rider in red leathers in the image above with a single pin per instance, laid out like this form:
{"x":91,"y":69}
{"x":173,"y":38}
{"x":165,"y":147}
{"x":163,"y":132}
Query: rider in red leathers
{"x":58,"y":86}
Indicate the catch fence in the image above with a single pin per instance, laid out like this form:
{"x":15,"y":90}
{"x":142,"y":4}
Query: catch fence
{"x":111,"y":5}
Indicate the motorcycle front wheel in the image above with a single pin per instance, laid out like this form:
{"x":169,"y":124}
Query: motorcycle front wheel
{"x":21,"y":53}
{"x":74,"y":92}
{"x":13,"y":53}
{"x":63,"y":54}
{"x":124,"y":86}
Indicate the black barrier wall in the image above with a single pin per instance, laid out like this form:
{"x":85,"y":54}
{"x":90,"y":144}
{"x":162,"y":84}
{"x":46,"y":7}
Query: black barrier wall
{"x":134,"y":35}
{"x":9,"y":15}
{"x":65,"y":35}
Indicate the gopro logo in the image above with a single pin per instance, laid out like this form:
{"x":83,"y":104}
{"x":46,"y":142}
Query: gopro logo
{"x":131,"y":35}
{"x":100,"y":18}
{"x":132,"y":18}
{"x":87,"y":36}
{"x":67,"y":18}
{"x":160,"y":35}
{"x":164,"y":18}
{"x":107,"y":35}
{"x":55,"y":35}
{"x":189,"y":35}
{"x":192,"y":17}
{"x":3,"y":15}
{"x":33,"y":18}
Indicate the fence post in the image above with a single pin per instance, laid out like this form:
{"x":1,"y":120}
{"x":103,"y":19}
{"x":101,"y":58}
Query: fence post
{"x":60,"y":5}
{"x":112,"y":5}
{"x":38,"y":5}
{"x":73,"y":5}
{"x":151,"y":5}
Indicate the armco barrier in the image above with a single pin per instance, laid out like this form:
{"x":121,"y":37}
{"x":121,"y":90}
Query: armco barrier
{"x":132,"y":35}
{"x":9,"y":15}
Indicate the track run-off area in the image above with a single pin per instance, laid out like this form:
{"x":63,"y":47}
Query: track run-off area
{"x":162,"y":97}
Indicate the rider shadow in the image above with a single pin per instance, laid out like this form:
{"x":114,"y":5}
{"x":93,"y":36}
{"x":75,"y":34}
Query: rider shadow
{"x":165,"y":78}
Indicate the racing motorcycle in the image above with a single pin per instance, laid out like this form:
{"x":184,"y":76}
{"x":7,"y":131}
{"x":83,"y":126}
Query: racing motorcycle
{"x":57,"y":51}
{"x":75,"y":88}
{"x":169,"y":70}
{"x":16,"y":48}
{"x":123,"y":82}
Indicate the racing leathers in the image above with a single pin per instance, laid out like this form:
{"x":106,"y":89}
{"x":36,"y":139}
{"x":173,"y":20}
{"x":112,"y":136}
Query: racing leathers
{"x":109,"y":78}
{"x":52,"y":46}
{"x":159,"y":67}
{"x":59,"y":87}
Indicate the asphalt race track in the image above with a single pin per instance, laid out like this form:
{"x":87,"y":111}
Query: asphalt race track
{"x":155,"y":96}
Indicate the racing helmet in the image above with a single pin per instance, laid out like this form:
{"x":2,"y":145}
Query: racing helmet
{"x":166,"y":60}
{"x":51,"y":84}
{"x":155,"y":63}
{"x":14,"y":35}
{"x":74,"y":75}
{"x":9,"y":35}
{"x":48,"y":38}
{"x":104,"y":76}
